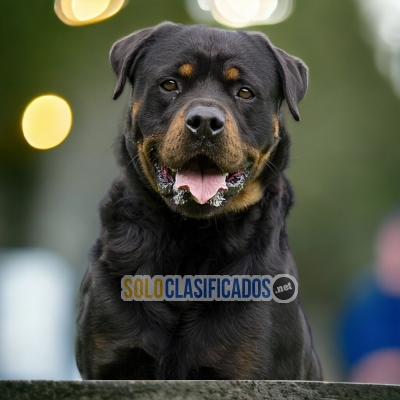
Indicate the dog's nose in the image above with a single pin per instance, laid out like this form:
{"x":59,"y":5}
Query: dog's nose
{"x":205,"y":122}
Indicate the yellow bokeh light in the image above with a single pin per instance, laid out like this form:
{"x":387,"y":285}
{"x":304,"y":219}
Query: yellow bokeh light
{"x":88,"y":9}
{"x":84,"y":12}
{"x":46,"y":122}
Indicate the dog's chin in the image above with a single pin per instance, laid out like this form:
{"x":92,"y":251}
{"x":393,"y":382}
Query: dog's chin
{"x":199,"y":189}
{"x":192,"y":209}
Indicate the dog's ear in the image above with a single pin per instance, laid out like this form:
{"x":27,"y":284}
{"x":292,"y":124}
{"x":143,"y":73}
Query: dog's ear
{"x":123,"y":54}
{"x":293,"y":73}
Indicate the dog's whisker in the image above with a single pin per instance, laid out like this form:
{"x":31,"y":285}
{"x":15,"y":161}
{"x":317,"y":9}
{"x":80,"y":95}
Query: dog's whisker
{"x":157,"y":157}
{"x":129,"y":139}
{"x":132,"y":160}
{"x":123,"y":198}
{"x":270,"y":164}
{"x":111,"y":146}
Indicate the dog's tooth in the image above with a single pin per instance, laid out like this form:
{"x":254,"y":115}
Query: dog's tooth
{"x":174,"y":170}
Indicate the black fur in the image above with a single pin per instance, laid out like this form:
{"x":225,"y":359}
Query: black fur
{"x":142,"y":234}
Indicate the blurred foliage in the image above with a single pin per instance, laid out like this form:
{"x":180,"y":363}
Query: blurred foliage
{"x":345,"y":163}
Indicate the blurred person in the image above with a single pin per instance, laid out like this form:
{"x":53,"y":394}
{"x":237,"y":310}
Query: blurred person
{"x":370,"y":326}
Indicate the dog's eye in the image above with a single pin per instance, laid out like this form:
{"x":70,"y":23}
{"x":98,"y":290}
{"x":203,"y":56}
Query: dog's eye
{"x":245,"y":93}
{"x":169,"y":85}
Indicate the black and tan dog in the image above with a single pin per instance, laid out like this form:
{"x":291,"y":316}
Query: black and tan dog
{"x":201,"y":191}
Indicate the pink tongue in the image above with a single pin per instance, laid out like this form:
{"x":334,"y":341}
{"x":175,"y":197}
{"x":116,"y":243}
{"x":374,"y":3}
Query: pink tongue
{"x":202,"y":186}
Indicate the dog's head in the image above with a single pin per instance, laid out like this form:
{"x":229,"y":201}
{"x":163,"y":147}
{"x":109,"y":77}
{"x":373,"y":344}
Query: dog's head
{"x":205,"y":112}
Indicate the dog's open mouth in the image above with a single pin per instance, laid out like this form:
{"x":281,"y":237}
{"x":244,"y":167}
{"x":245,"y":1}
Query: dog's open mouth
{"x":200,"y":180}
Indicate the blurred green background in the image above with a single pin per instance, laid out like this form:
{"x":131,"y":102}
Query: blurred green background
{"x":345,"y":155}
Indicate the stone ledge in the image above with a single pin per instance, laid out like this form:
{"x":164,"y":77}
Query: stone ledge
{"x":193,"y":390}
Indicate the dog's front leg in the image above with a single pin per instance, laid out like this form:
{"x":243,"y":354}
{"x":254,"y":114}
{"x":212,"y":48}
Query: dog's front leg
{"x":174,"y":365}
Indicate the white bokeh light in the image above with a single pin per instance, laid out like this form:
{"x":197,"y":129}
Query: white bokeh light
{"x":240,"y":13}
{"x":236,"y":11}
{"x":382,"y":18}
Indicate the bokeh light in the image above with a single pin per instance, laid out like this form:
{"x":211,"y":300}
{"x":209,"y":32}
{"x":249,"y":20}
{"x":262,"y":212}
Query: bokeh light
{"x":240,"y":13}
{"x":83,"y":12}
{"x":205,"y":5}
{"x":237,"y":11}
{"x":383,"y":30}
{"x":46,"y":122}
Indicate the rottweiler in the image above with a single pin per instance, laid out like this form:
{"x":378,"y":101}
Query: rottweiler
{"x":201,"y":192}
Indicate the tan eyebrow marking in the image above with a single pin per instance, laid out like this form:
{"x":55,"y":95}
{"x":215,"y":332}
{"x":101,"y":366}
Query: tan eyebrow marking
{"x":232,"y":74}
{"x":186,"y":70}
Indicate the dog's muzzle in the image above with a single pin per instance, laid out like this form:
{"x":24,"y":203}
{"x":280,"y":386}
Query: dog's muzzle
{"x":200,"y":174}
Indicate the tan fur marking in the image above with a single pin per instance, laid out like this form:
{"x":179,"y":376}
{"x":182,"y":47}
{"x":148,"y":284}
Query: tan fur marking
{"x":252,"y":192}
{"x":231,"y":146}
{"x":186,"y":70}
{"x":99,"y":347}
{"x":275,"y":124}
{"x":144,"y":149}
{"x":232,"y":74}
{"x":172,"y":149}
{"x":260,"y":163}
{"x":248,"y":196}
{"x":135,"y":107}
{"x":99,"y":342}
{"x":244,"y":361}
